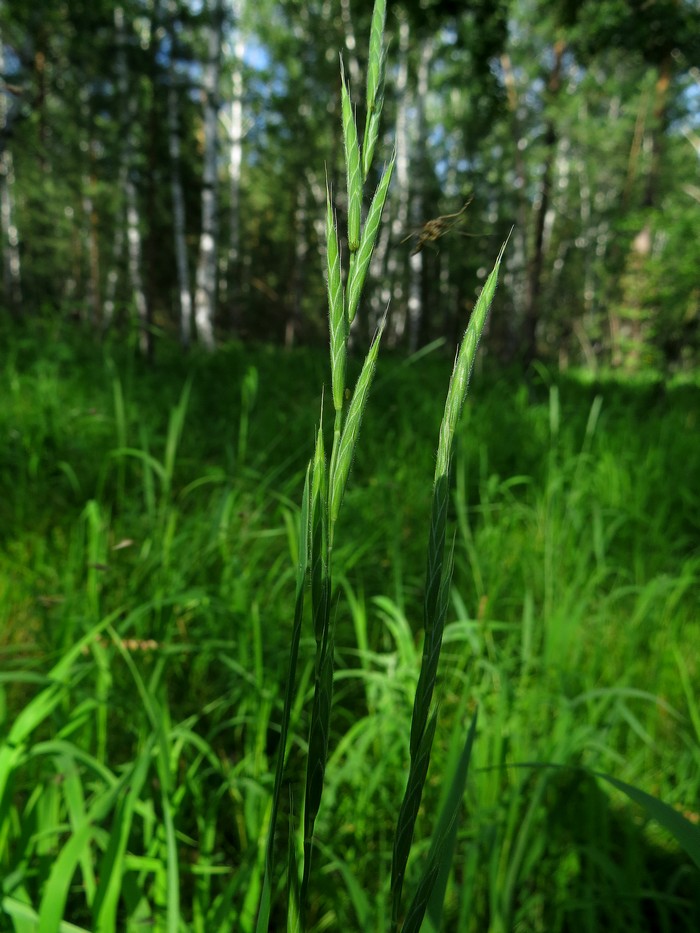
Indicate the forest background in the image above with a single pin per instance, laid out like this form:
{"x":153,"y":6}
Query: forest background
{"x":164,"y":328}
{"x":163,"y":167}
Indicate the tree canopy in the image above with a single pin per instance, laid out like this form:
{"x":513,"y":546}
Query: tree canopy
{"x":162,"y":170}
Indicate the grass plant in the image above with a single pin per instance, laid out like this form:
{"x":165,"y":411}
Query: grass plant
{"x":321,"y":505}
{"x":177,"y":753}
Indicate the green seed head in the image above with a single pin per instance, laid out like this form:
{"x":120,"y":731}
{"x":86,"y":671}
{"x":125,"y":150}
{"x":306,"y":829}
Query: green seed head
{"x":352,"y":162}
{"x":336,"y":307}
{"x":358,"y":270}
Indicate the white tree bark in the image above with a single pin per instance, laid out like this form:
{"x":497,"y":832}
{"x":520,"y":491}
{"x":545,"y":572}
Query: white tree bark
{"x":205,"y":296}
{"x":351,"y":49}
{"x":126,"y":182}
{"x":179,"y":224}
{"x":415,"y":303}
{"x":112,"y":280}
{"x":133,"y":239}
{"x":11,"y":270}
{"x":393,"y":288}
{"x":235,"y":160}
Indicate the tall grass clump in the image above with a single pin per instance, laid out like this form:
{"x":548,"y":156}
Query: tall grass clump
{"x":324,"y":488}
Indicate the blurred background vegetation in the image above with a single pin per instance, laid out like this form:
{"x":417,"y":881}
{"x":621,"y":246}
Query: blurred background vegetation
{"x":162,"y":169}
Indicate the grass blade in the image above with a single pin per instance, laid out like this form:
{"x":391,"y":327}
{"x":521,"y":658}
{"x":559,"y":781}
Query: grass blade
{"x":57,"y":887}
{"x":686,"y":834}
{"x":406,"y":822}
{"x":430,"y":893}
{"x":319,"y":731}
{"x":40,"y":708}
{"x":112,"y":868}
{"x":302,"y":564}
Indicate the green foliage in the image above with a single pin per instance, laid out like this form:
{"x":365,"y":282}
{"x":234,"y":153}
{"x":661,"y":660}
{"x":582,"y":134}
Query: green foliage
{"x":572,"y":622}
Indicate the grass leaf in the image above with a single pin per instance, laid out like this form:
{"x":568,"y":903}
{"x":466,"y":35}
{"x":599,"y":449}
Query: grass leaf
{"x":686,"y":834}
{"x":302,"y":564}
{"x":430,"y":892}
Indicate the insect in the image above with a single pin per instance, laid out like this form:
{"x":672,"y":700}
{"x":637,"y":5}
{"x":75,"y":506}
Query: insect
{"x":432,"y":230}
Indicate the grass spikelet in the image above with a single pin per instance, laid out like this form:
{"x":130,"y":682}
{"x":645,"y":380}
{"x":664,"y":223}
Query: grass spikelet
{"x":336,"y":307}
{"x":352,"y":163}
{"x":346,"y":449}
{"x":376,"y":70}
{"x":461,"y":374}
{"x":358,"y":269}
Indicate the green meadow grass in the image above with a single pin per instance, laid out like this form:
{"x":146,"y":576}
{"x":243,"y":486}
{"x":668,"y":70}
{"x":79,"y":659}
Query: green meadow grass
{"x":149,"y":525}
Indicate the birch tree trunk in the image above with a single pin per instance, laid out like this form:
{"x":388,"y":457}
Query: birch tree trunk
{"x":393,"y":290}
{"x":135,"y":251}
{"x":179,"y":221}
{"x":415,"y":282}
{"x":11,"y":277}
{"x":351,"y":48}
{"x":184,"y":293}
{"x":301,"y":250}
{"x":534,"y":287}
{"x":633,"y":325}
{"x":90,"y":224}
{"x":126,"y":183}
{"x":112,"y":282}
{"x":93,"y":251}
{"x":235,"y":164}
{"x":205,"y":296}
{"x":11,"y":274}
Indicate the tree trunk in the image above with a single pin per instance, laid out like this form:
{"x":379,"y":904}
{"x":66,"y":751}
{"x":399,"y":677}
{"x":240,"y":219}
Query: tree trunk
{"x":93,"y":252}
{"x":184,"y":292}
{"x":392,"y":291}
{"x":127,"y":185}
{"x":133,"y":238}
{"x":11,"y":274}
{"x":301,"y":250}
{"x":351,"y":50}
{"x":534,"y":285}
{"x":235,"y":163}
{"x":152,"y":137}
{"x":415,"y":283}
{"x":11,"y":277}
{"x":90,"y":220}
{"x":179,"y":221}
{"x":109,"y":305}
{"x":629,"y":328}
{"x":205,"y":296}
